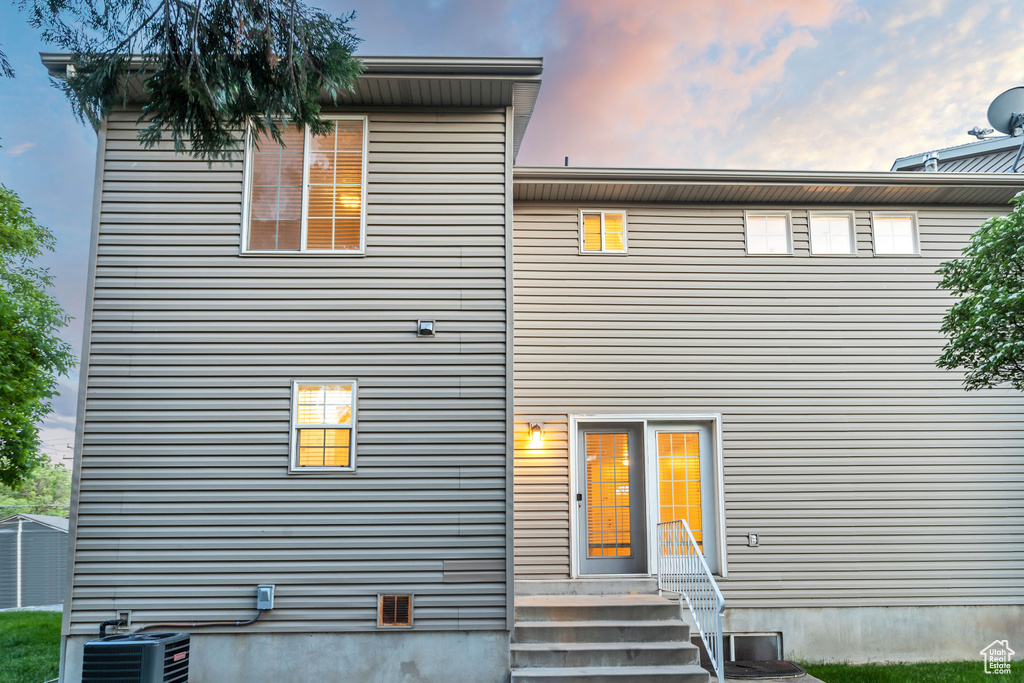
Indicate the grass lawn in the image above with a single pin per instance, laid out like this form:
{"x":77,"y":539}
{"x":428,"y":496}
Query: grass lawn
{"x":943,"y":672}
{"x":29,"y":646}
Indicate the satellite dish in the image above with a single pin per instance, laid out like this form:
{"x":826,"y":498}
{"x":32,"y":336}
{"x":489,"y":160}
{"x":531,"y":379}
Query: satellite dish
{"x":1006,"y":113}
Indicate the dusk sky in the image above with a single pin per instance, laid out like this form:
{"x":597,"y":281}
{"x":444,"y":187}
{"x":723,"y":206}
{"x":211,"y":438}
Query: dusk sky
{"x":755,"y":84}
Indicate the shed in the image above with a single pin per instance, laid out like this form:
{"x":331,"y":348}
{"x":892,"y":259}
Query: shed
{"x":33,"y":560}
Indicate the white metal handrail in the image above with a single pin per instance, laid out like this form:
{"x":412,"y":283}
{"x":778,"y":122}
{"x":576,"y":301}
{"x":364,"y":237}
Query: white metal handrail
{"x":683,"y":570}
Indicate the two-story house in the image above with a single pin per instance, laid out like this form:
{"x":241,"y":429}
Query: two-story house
{"x":442,"y":403}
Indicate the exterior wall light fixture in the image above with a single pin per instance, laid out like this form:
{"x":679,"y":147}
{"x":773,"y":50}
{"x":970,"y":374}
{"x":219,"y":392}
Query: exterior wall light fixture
{"x":535,"y":434}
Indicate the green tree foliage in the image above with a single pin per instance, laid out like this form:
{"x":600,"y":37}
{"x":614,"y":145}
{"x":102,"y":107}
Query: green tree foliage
{"x":206,"y":68}
{"x":5,"y":66}
{"x":985,"y":328}
{"x":31,"y":353}
{"x":46,"y":490}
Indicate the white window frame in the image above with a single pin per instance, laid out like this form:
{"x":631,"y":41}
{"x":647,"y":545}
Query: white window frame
{"x":838,"y":212}
{"x":603,"y":251}
{"x":712,"y":420}
{"x":912,"y":215}
{"x":788,"y":215}
{"x":302,"y":250}
{"x":293,"y":435}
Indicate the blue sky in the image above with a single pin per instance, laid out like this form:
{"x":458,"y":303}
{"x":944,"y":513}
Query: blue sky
{"x":803,"y":84}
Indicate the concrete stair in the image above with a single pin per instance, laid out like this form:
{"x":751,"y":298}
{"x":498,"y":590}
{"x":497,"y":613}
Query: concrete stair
{"x":632,"y":638}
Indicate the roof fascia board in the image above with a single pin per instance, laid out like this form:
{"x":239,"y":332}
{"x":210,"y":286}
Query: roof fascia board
{"x":560,"y":174}
{"x":511,"y":68}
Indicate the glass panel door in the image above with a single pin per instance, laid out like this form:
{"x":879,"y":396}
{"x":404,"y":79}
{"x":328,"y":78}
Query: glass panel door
{"x":610,"y":503}
{"x":679,"y":479}
{"x":683,"y":481}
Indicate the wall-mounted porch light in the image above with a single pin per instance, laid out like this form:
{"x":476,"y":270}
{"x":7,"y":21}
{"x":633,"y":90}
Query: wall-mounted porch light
{"x":535,"y":434}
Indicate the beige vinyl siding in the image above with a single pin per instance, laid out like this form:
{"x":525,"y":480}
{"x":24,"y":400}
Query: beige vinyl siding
{"x":871,"y":476}
{"x":186,"y":502}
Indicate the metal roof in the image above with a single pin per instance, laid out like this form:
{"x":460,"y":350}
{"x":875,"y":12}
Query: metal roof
{"x":570,"y":184}
{"x":983,"y":156}
{"x":427,"y":82}
{"x":58,"y":523}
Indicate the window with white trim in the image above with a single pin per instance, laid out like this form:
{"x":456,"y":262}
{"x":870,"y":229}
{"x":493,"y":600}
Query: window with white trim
{"x":895,"y":234}
{"x":602,"y":232}
{"x":768,"y":233}
{"x":323,"y":430}
{"x":832,"y":233}
{"x":308,"y":195}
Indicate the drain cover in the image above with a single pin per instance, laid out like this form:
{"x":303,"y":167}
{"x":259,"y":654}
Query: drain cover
{"x":772,"y":669}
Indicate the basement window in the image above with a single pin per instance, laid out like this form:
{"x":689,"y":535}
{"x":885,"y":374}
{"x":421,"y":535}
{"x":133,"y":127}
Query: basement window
{"x":323,"y":432}
{"x":394,"y":611}
{"x":602,"y":232}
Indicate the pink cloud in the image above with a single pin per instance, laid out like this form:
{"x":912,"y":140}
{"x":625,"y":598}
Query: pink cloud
{"x":630,"y":81}
{"x":18,"y":150}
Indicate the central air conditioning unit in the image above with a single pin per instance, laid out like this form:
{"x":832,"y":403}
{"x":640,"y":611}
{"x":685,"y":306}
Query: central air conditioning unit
{"x":137,"y":658}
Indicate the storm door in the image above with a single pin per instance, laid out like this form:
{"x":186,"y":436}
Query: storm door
{"x":610,"y":501}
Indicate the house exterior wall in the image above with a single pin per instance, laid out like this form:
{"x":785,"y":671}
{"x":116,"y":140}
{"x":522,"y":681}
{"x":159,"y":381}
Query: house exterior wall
{"x":184,"y":500}
{"x":871,"y":476}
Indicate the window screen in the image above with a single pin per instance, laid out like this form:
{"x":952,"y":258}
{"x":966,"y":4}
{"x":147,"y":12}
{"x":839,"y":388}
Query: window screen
{"x":275,"y":206}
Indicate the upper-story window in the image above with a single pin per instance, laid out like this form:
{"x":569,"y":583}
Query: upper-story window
{"x":309,"y":195}
{"x":895,"y":234}
{"x":832,"y":233}
{"x":768,"y":233}
{"x":602,"y":232}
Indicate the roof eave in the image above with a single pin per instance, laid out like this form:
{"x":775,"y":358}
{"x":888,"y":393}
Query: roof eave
{"x":762,"y":187}
{"x":506,"y":81}
{"x":517,"y":68}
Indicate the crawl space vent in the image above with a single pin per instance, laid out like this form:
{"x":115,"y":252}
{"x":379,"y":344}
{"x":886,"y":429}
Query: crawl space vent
{"x":394,"y":611}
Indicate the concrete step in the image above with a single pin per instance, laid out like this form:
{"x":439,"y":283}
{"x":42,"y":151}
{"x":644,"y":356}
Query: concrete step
{"x":600,"y":631}
{"x":633,"y":586}
{"x":596,"y":608}
{"x":600,"y":674}
{"x":603,"y":654}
